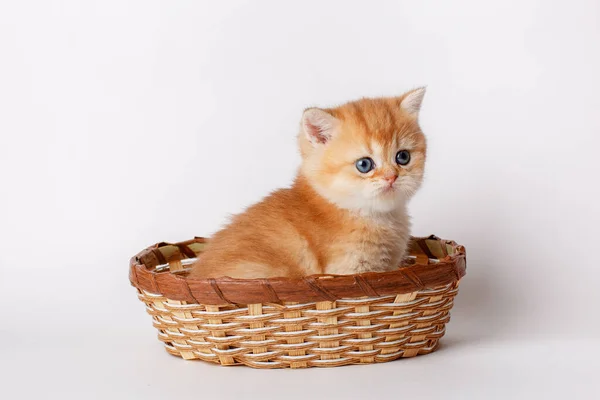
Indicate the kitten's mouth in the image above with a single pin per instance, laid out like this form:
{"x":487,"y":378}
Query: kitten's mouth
{"x":387,"y":189}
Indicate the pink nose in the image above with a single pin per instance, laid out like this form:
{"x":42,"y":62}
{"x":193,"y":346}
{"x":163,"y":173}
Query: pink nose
{"x":391,"y":179}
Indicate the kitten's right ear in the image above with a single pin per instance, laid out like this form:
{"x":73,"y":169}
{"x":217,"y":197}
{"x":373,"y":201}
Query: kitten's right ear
{"x":318,"y":125}
{"x":411,"y":101}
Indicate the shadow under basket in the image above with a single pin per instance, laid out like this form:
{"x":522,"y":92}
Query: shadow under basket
{"x":316,"y":321}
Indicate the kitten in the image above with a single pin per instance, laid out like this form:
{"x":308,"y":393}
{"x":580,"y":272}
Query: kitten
{"x":346,"y":211}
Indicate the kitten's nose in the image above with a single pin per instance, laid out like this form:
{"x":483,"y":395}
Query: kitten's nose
{"x":390,"y":179}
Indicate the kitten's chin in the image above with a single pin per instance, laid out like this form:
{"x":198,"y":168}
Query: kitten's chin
{"x":386,"y":202}
{"x":381,"y":203}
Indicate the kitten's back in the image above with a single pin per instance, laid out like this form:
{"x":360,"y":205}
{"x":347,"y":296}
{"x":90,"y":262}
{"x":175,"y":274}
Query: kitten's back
{"x":277,"y":237}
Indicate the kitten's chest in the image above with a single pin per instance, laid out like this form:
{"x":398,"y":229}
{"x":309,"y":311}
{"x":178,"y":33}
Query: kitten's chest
{"x":370,"y":247}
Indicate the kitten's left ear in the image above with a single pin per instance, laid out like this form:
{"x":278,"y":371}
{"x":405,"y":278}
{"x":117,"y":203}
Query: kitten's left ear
{"x":318,"y":125}
{"x":411,"y":101}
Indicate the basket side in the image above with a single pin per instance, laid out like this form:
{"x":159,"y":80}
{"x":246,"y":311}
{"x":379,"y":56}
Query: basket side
{"x":300,"y":335}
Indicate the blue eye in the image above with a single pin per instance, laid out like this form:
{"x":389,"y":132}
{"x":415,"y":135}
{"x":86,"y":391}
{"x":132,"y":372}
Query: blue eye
{"x":403,"y":157}
{"x":364,"y":165}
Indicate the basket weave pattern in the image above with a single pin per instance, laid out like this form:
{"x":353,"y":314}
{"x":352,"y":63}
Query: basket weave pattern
{"x":296,"y":334}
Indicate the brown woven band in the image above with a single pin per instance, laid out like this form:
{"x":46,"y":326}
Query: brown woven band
{"x":408,"y":278}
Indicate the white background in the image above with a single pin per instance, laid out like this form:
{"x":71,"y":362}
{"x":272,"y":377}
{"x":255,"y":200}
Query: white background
{"x":126,"y":123}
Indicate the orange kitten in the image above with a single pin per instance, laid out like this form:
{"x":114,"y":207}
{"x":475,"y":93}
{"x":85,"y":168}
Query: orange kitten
{"x":346,"y":211}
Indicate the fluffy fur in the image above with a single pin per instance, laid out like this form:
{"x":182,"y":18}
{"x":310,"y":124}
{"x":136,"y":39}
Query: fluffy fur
{"x":334,"y":219}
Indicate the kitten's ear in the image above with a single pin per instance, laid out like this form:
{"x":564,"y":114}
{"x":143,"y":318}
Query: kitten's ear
{"x":411,"y":101}
{"x":318,"y":125}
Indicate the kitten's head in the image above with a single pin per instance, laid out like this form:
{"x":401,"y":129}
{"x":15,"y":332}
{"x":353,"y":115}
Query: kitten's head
{"x":367,"y":155}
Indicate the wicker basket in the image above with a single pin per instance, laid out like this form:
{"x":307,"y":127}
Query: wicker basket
{"x":317,"y":321}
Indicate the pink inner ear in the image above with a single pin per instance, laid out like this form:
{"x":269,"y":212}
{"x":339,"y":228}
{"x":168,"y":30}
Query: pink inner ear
{"x":316,"y":132}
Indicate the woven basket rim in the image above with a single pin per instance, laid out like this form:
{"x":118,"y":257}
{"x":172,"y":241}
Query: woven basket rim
{"x":406,"y":279}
